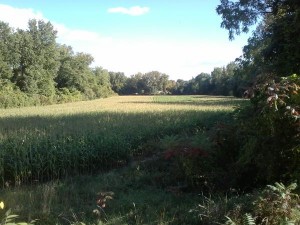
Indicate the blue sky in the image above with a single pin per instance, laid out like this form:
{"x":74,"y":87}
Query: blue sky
{"x":181,"y":38}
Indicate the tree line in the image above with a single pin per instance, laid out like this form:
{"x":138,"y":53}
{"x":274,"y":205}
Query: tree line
{"x":272,"y":52}
{"x":36,"y":70}
{"x":221,"y":81}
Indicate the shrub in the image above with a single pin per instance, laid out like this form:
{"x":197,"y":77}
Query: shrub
{"x":65,"y":95}
{"x":263,"y":146}
{"x":274,"y":205}
{"x":11,"y":96}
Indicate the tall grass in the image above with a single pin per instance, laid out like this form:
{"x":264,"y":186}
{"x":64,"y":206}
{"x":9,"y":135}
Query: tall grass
{"x":44,"y":143}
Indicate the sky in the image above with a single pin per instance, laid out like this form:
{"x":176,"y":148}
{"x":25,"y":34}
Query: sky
{"x":181,"y":38}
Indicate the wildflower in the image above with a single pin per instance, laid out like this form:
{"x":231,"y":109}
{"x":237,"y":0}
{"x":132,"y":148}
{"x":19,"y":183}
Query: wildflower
{"x":1,"y":205}
{"x":293,"y":111}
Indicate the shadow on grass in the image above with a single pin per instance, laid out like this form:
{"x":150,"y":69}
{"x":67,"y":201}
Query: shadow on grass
{"x":106,"y":121}
{"x":41,"y":148}
{"x":47,"y":148}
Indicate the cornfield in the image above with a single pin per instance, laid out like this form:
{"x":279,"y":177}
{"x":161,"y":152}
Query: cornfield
{"x":50,"y":142}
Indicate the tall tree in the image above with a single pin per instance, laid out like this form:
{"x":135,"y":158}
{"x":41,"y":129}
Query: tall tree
{"x":36,"y":58}
{"x":204,"y":83}
{"x":154,"y":82}
{"x":117,"y":80}
{"x":6,"y":51}
{"x":180,"y":88}
{"x":275,"y":43}
{"x":239,"y":15}
{"x":103,"y":85}
{"x":63,"y":77}
{"x":74,"y":72}
{"x":163,"y":82}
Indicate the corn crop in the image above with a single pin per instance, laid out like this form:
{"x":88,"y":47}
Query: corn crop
{"x":50,"y":142}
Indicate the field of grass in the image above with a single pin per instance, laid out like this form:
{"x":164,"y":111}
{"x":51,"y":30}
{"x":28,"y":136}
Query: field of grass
{"x":80,"y":142}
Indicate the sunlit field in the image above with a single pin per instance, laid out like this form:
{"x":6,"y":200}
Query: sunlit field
{"x":128,"y":104}
{"x":92,"y":146}
{"x":50,"y":142}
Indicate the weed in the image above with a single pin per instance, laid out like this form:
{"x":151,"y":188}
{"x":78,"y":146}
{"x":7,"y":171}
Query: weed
{"x":9,"y":218}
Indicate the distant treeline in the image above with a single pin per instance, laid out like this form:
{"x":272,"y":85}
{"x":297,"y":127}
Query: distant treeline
{"x":36,"y":70}
{"x":221,"y":81}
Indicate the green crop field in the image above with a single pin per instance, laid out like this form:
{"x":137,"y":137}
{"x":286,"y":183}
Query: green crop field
{"x":84,"y":143}
{"x":49,"y":142}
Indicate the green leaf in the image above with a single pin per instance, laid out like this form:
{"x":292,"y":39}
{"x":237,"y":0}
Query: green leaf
{"x":248,"y":219}
{"x":292,"y":186}
{"x":12,"y":217}
{"x":8,"y":212}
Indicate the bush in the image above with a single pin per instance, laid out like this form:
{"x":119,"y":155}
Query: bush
{"x":274,"y":205}
{"x":263,"y":146}
{"x":11,"y":96}
{"x":65,"y":95}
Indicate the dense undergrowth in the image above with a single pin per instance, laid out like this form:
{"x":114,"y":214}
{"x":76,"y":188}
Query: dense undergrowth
{"x":263,"y":145}
{"x":11,"y":97}
{"x":145,"y":193}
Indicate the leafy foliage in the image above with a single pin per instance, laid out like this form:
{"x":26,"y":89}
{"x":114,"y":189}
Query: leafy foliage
{"x":275,"y":205}
{"x":238,"y":16}
{"x":273,"y":49}
{"x":247,"y":220}
{"x":43,"y":72}
{"x":263,"y":146}
{"x":9,"y":219}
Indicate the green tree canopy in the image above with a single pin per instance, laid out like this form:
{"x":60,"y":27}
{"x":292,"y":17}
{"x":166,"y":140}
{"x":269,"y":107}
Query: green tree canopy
{"x":274,"y":46}
{"x":34,"y":65}
{"x":117,"y":80}
{"x":238,"y":16}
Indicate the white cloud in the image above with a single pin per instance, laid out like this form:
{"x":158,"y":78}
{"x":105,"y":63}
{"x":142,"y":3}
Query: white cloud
{"x":17,"y":17}
{"x":181,"y":59}
{"x":75,"y":36}
{"x":132,"y":11}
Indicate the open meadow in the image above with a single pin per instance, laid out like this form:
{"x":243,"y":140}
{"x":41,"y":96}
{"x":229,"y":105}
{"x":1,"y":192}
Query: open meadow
{"x":97,"y":146}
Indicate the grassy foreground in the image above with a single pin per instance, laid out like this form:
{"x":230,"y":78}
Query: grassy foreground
{"x":55,"y":159}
